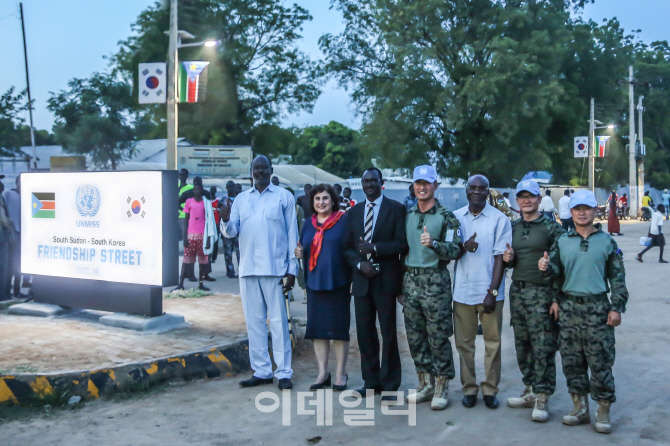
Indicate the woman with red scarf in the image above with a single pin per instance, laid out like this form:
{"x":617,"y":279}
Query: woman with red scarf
{"x":328,"y":281}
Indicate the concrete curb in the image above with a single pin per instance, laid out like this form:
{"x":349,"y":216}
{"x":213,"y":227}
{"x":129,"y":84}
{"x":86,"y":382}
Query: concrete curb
{"x":213,"y":362}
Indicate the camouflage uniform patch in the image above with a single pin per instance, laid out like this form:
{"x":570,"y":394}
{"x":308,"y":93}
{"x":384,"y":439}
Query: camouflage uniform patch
{"x":535,"y":335}
{"x":428,"y":321}
{"x":587,"y":342}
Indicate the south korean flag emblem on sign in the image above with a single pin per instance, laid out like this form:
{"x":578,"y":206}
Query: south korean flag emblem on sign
{"x":152,"y":83}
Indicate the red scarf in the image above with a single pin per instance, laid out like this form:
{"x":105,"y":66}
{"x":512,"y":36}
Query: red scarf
{"x":315,"y":249}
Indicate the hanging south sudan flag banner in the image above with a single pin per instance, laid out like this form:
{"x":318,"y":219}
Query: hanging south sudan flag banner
{"x":602,"y":148}
{"x":43,"y":205}
{"x":193,"y":81}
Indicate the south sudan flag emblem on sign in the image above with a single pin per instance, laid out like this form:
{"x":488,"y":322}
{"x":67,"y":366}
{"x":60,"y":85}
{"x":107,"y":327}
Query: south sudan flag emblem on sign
{"x":44,"y":205}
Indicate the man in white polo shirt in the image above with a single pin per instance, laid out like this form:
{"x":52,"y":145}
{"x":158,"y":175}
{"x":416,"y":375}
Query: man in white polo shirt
{"x":479,"y":289}
{"x":564,"y":211}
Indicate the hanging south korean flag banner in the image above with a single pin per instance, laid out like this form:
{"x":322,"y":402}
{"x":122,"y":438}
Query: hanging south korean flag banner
{"x":152,"y":83}
{"x":193,"y":81}
{"x":581,"y":146}
{"x":603,"y":147}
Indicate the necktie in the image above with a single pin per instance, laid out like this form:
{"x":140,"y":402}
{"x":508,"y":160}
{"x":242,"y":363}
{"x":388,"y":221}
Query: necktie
{"x":368,"y":226}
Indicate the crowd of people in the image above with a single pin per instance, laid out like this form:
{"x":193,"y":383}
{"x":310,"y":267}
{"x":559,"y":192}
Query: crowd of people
{"x":381,"y":251}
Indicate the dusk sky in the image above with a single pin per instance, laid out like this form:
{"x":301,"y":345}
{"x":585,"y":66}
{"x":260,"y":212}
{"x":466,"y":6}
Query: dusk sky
{"x":68,"y":38}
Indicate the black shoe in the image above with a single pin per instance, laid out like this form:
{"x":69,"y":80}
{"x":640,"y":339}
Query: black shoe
{"x":321,"y":385}
{"x":339,"y":388}
{"x":255,"y":381}
{"x":479,"y":330}
{"x":232,"y":276}
{"x":209,"y":279}
{"x":192,"y":279}
{"x":491,"y":401}
{"x":389,"y":399}
{"x":179,"y":288}
{"x":639,"y":258}
{"x":363,"y":391}
{"x":469,"y":401}
{"x":662,"y":261}
{"x":203,"y":288}
{"x":285,"y":383}
{"x":619,"y":234}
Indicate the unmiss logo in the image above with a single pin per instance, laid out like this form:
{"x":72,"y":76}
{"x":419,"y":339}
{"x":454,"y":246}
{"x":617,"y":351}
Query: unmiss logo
{"x":88,"y":201}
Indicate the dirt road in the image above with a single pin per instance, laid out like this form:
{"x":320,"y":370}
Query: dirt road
{"x":219,"y":412}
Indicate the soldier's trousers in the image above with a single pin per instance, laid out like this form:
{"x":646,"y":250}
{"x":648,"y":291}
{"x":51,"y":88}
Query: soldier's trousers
{"x":428,"y":321}
{"x":587,"y":342}
{"x":535,"y":335}
{"x":230,"y":245}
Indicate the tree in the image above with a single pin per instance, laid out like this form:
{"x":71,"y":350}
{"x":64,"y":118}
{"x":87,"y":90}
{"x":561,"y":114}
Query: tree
{"x":273,"y":141}
{"x":13,"y":132}
{"x":95,"y":117}
{"x":256,"y":75}
{"x":497,"y":87}
{"x":331,"y":147}
{"x":652,"y":66}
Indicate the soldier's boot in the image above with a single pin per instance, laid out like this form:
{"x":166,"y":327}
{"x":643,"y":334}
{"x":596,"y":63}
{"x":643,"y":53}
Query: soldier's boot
{"x":526,"y":400}
{"x":540,"y":413}
{"x":440,"y":400}
{"x":580,"y":413}
{"x":425,"y":390}
{"x":603,"y":425}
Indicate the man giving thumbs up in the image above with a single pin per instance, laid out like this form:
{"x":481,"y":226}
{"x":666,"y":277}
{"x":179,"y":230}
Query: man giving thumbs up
{"x":434,"y":237}
{"x":533,"y":307}
{"x":479,"y":289}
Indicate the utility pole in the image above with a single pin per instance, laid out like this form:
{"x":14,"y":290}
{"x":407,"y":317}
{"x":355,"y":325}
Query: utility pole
{"x":640,"y":155}
{"x":30,"y":100}
{"x":592,"y":146}
{"x":632,"y":183}
{"x":172,"y":105}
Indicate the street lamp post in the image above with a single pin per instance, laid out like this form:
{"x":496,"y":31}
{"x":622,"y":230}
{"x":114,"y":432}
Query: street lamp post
{"x":30,"y":100}
{"x":632,"y":174}
{"x":173,"y":70}
{"x":592,"y":144}
{"x":640,"y":155}
{"x":172,"y":113}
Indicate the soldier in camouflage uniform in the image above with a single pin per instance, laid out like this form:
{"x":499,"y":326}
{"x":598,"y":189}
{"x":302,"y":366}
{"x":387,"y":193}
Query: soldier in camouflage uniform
{"x":533,"y":307}
{"x":497,"y":200}
{"x":588,"y":259}
{"x":433,"y":236}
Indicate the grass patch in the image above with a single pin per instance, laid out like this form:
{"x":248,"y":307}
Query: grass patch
{"x":192,"y":293}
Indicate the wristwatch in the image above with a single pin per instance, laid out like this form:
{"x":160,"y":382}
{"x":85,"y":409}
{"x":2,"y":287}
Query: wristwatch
{"x":494,"y":293}
{"x":434,"y":244}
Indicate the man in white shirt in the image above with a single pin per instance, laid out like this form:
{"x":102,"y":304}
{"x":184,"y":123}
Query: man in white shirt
{"x":479,"y":289}
{"x":547,"y":206}
{"x":564,"y":211}
{"x":655,"y":233}
{"x":264,"y":217}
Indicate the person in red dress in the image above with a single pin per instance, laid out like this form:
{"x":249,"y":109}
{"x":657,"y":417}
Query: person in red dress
{"x":613,"y":220}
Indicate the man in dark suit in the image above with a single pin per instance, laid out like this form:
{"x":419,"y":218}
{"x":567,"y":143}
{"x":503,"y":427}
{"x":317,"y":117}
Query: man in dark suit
{"x":374,"y":241}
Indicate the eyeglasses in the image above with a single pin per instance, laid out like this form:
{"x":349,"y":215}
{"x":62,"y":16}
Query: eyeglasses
{"x":525,"y":197}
